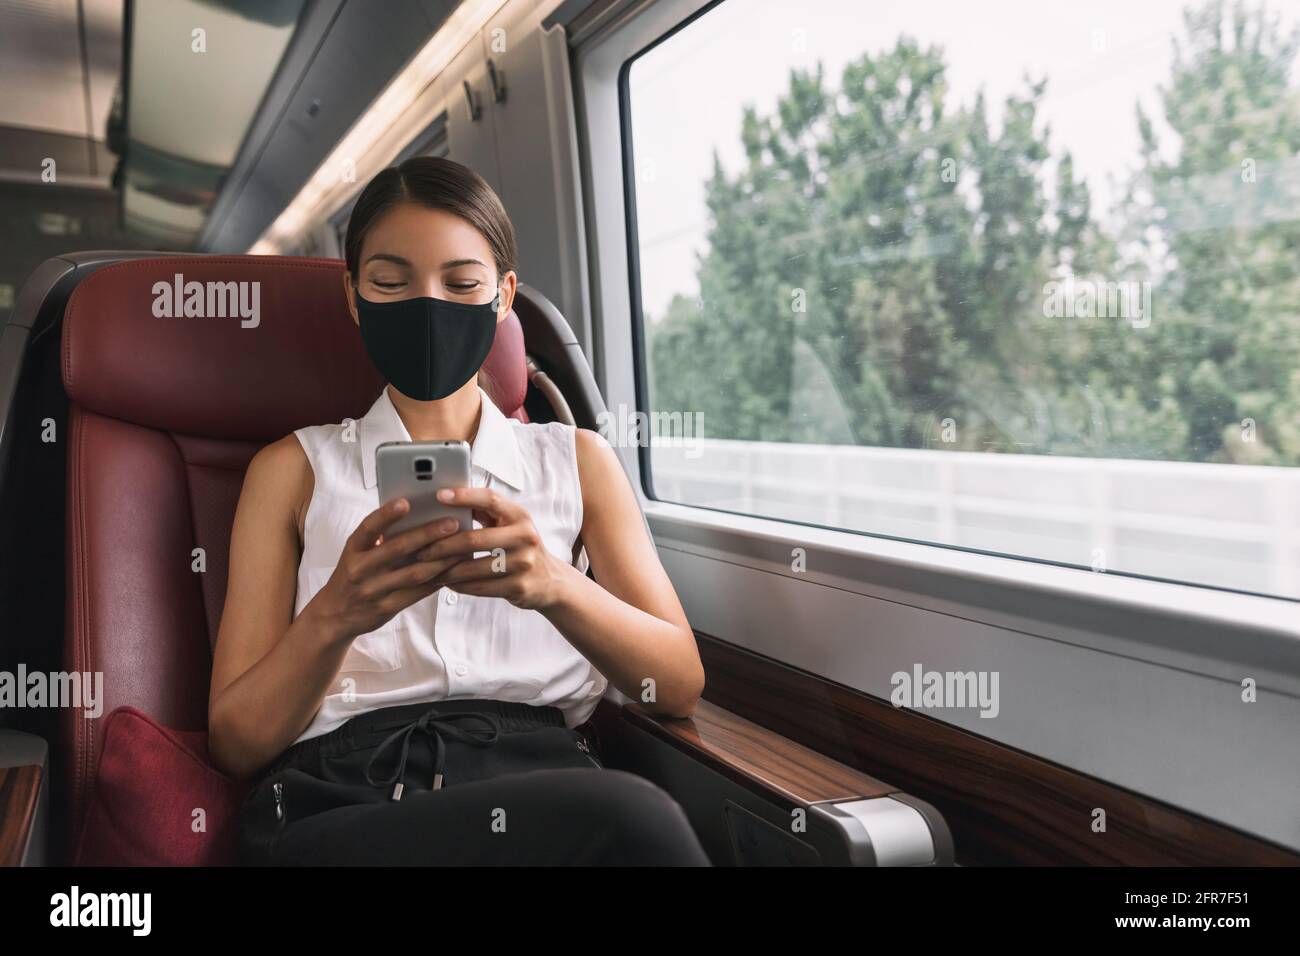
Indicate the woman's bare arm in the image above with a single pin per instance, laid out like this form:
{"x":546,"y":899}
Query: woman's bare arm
{"x":269,"y":671}
{"x":631,"y":624}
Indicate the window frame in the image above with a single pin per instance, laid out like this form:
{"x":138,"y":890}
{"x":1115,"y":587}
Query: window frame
{"x":641,"y":370}
{"x":640,"y":352}
{"x":867,"y":602}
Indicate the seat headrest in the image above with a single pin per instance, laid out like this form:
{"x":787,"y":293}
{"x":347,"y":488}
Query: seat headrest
{"x":244,"y":348}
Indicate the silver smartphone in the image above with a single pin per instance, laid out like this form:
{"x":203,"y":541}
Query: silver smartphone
{"x":417,"y":471}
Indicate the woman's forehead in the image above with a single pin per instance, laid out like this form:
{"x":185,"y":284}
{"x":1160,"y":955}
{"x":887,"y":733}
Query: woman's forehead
{"x":426,"y":237}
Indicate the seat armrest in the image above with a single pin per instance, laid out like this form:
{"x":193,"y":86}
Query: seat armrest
{"x":24,"y":798}
{"x":773,"y":783}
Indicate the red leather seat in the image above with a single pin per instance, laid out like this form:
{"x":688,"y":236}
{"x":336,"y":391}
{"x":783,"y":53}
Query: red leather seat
{"x":164,"y":416}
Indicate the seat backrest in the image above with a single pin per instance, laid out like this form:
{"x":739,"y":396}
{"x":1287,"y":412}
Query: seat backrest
{"x":165,"y":411}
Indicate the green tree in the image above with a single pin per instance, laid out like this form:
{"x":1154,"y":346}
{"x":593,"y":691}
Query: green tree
{"x":884,"y":247}
{"x":1222,"y":214}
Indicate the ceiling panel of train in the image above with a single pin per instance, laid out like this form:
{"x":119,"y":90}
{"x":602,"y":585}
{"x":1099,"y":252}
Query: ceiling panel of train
{"x":231,"y":105}
{"x":341,"y":58}
{"x":60,"y":62}
{"x":204,"y":117}
{"x":196,"y":72}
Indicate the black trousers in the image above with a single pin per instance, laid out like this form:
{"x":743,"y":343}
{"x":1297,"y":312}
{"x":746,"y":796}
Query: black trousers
{"x":458,"y":782}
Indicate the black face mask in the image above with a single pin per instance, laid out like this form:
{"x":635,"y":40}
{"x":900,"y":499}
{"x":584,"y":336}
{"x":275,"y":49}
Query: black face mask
{"x":427,"y":348}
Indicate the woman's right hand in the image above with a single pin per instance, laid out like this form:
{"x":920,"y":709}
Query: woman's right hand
{"x":376,"y":577}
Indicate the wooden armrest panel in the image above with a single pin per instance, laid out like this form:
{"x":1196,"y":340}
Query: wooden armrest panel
{"x":757,"y":758}
{"x":19,"y":789}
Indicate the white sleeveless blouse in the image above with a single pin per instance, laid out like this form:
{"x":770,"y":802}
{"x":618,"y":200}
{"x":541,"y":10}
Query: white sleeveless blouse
{"x":449,"y":645}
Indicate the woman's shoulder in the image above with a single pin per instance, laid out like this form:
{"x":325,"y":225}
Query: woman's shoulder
{"x":553,"y":428}
{"x":549,"y":434}
{"x":571,"y":436}
{"x":279,"y":477}
{"x":311,"y":438}
{"x":574,"y":442}
{"x":594,"y":458}
{"x":282,"y":475}
{"x":284,"y":456}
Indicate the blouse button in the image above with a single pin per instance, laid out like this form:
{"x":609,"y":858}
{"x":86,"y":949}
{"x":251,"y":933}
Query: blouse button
{"x":462,"y":670}
{"x":451,"y":597}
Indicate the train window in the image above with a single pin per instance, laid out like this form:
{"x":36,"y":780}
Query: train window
{"x":1022,"y":284}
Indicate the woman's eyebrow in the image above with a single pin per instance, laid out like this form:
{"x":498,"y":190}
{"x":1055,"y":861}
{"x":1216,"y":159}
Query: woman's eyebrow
{"x":388,"y":257}
{"x":453,"y":263}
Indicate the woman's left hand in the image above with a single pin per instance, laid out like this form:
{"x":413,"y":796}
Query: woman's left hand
{"x":520,"y":569}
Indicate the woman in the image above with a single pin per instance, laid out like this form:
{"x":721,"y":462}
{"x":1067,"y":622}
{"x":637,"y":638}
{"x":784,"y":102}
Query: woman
{"x":398,"y":700}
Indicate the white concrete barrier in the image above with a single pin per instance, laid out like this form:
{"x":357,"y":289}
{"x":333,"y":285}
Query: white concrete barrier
{"x":1232,"y":526}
